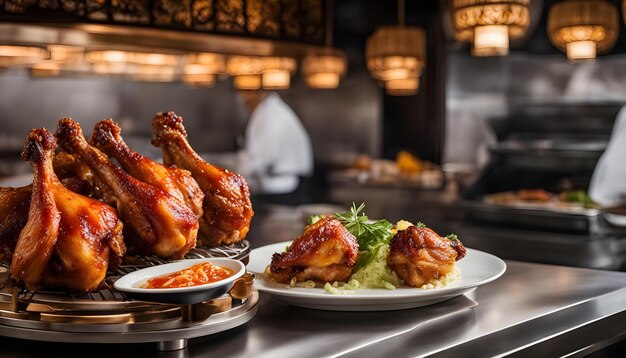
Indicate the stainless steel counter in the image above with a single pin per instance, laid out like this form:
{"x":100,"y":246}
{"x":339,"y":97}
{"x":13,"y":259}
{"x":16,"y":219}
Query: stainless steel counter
{"x":552,"y":310}
{"x":532,"y":308}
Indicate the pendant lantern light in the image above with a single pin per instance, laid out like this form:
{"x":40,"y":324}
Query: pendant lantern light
{"x":276,"y":72}
{"x":21,"y":55}
{"x":397,"y":53}
{"x":490,"y":24}
{"x":323,"y":69}
{"x":246,"y":72}
{"x":202,"y":68}
{"x":583,"y":28}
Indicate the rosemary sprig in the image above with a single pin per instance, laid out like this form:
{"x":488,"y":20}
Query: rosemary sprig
{"x":370,"y":234}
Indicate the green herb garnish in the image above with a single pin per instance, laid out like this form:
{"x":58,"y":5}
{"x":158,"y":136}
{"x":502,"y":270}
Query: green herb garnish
{"x":420,"y":225}
{"x":579,"y":196}
{"x":315,"y":218}
{"x":370,"y":234}
{"x":452,"y":237}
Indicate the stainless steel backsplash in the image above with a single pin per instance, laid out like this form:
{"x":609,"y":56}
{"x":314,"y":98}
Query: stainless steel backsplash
{"x":341,"y":122}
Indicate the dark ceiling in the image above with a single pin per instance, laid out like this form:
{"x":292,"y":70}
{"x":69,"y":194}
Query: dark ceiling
{"x":355,"y":20}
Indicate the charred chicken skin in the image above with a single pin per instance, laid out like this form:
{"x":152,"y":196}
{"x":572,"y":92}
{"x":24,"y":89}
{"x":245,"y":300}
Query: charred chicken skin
{"x":154,"y":220}
{"x":69,"y":240}
{"x":419,"y":256}
{"x":227,"y":207}
{"x":325,"y":252}
{"x":178,"y":182}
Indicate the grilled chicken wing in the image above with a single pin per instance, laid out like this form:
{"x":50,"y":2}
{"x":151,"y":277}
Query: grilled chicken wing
{"x":14,"y":205}
{"x":325,"y":252}
{"x":154,"y":221}
{"x":227,"y":207}
{"x":178,"y":182}
{"x":419,"y":255}
{"x":69,"y":240}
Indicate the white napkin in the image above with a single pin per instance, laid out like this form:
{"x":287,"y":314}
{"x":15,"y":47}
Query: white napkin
{"x":608,"y":183}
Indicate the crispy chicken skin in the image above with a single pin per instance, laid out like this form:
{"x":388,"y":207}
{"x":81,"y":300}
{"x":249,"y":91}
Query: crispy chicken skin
{"x":107,"y":136}
{"x":419,"y":256}
{"x":69,"y":240}
{"x":15,"y":202}
{"x":227,"y":206}
{"x":14,"y":205}
{"x":325,"y":252}
{"x":154,"y":221}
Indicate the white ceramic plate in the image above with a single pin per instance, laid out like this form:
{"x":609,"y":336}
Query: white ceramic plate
{"x":131,"y":283}
{"x":477,"y":268}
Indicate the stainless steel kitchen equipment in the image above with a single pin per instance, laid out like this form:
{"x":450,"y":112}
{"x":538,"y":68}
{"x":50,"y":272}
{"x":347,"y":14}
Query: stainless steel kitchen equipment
{"x":553,"y":147}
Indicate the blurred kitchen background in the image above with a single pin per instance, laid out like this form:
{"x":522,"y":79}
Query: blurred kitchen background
{"x":527,"y":118}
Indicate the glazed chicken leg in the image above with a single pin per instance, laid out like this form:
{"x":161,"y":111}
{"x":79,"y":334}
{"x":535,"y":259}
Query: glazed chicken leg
{"x":69,"y":240}
{"x":107,"y":137}
{"x":325,"y":252}
{"x":227,"y":207}
{"x":15,"y":202}
{"x":418,"y":255}
{"x":154,"y":221}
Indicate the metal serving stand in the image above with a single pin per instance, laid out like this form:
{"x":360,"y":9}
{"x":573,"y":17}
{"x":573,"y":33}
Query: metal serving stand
{"x":107,"y":316}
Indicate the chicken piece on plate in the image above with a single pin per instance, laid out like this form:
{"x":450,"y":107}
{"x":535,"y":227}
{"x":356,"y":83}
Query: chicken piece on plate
{"x":154,"y":221}
{"x":107,"y":136}
{"x":69,"y":240}
{"x":227,"y":207}
{"x":325,"y":252}
{"x":419,"y":255}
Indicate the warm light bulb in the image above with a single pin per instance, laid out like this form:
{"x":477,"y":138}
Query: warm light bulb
{"x":276,"y":79}
{"x":45,"y":69}
{"x":199,"y":79}
{"x":21,"y":55}
{"x":323,"y":80}
{"x":491,"y":40}
{"x":247,"y":82}
{"x":402,"y":87}
{"x":580,"y":50}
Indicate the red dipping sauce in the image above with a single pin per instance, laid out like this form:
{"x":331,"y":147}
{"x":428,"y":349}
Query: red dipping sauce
{"x":199,"y":274}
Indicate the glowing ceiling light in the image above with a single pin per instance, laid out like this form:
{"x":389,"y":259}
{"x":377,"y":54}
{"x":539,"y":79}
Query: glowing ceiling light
{"x":276,"y":73}
{"x":490,"y":24}
{"x":583,"y":28}
{"x":324,"y":69}
{"x":21,"y":55}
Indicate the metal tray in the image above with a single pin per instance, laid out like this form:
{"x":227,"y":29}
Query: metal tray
{"x":587,"y":221}
{"x":107,"y":316}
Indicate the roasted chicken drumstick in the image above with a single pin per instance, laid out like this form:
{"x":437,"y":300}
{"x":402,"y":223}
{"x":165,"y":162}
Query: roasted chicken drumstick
{"x":325,"y":252}
{"x":418,"y":255}
{"x":227,"y":207}
{"x":107,"y":136}
{"x":154,"y":220}
{"x":15,"y":202}
{"x":69,"y":240}
{"x":14,"y":205}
